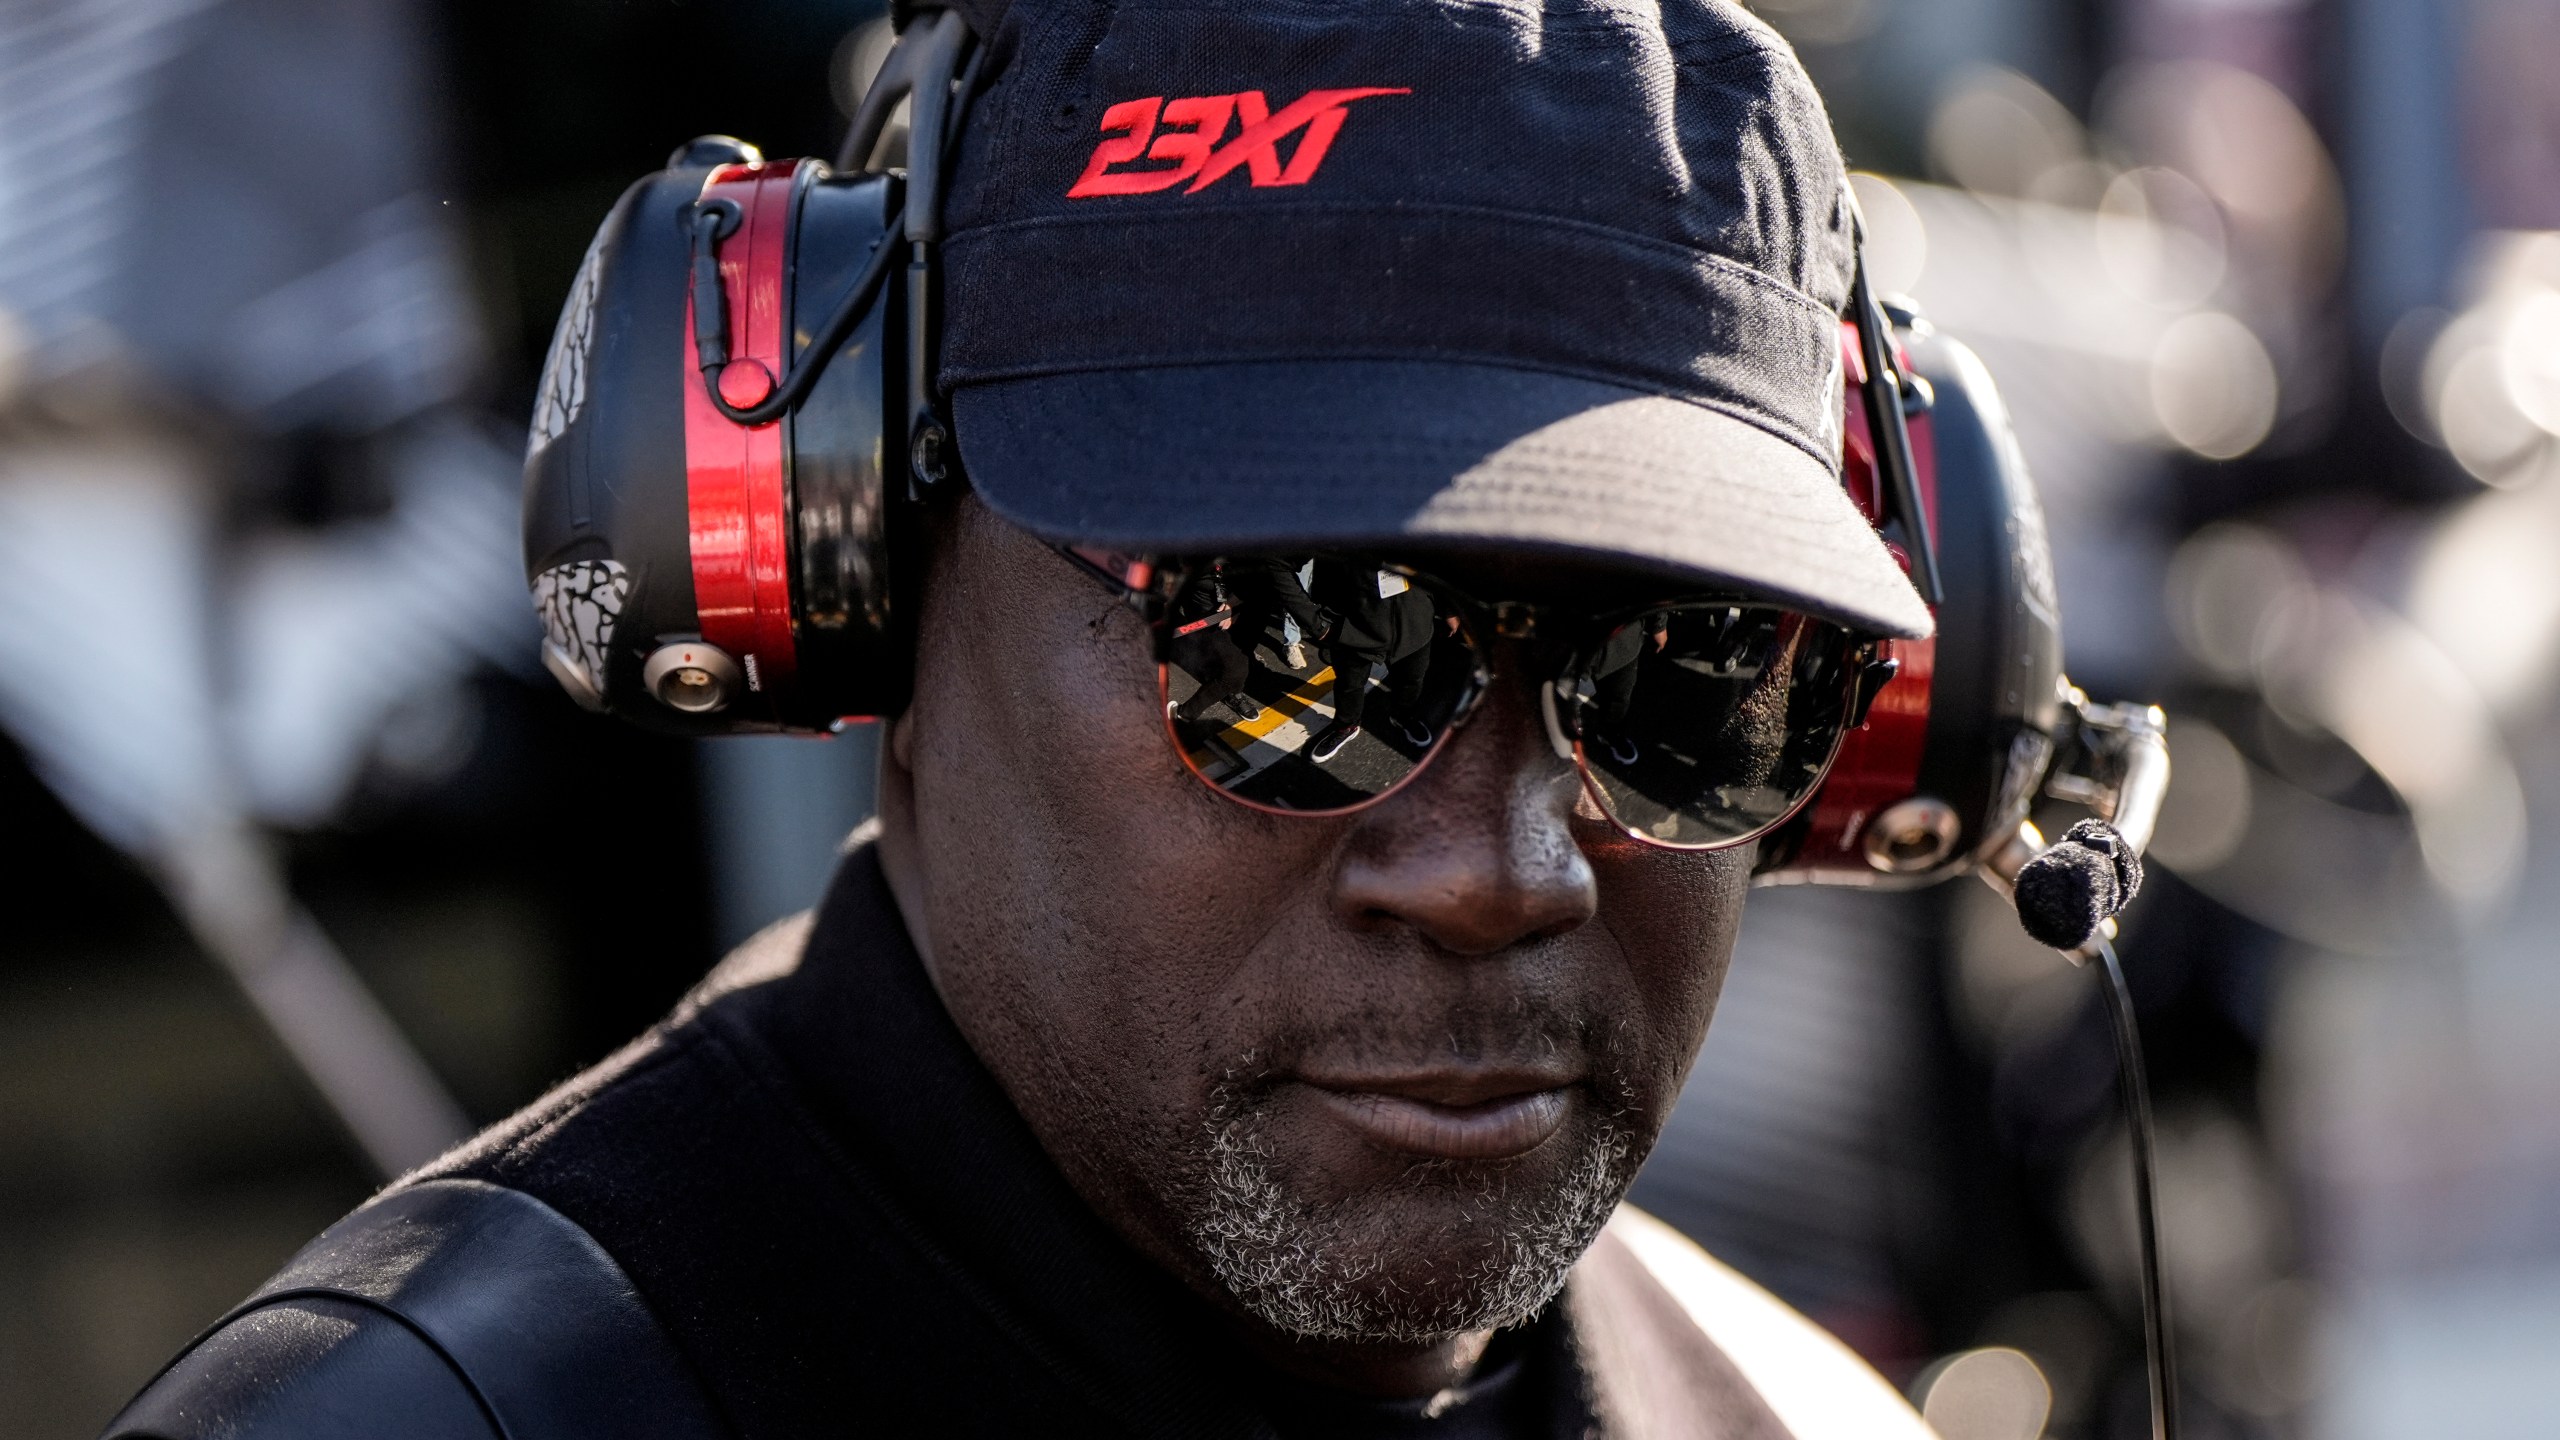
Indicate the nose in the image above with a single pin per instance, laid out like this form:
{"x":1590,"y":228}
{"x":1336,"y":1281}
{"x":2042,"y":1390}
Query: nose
{"x":1478,"y":854}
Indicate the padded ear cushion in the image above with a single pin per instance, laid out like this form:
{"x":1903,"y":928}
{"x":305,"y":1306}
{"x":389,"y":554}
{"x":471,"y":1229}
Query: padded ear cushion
{"x":695,"y":575}
{"x":1956,"y":744}
{"x":848,"y":466}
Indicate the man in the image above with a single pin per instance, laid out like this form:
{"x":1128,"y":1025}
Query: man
{"x":1213,"y":639}
{"x":1366,"y":617}
{"x":1090,"y":1100}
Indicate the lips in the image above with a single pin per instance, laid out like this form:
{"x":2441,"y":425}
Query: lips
{"x":1451,"y":1115}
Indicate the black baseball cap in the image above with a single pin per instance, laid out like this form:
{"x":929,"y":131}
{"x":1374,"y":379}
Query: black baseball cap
{"x":1334,"y":273}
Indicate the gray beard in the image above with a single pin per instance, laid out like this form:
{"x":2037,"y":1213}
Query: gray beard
{"x":1301,"y":1269}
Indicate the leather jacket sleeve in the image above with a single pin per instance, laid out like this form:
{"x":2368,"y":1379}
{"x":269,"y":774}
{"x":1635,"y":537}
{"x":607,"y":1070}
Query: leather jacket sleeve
{"x":446,"y":1310}
{"x":312,"y":1368}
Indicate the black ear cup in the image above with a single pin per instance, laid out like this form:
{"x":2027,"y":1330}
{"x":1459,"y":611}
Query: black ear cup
{"x":694,"y":574}
{"x":1996,"y":703}
{"x":605,"y":518}
{"x":1959,"y":740}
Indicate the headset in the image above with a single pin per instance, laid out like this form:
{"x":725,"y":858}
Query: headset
{"x":736,"y":434}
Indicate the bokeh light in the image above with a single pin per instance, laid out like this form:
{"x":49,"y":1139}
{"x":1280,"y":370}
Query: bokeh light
{"x":2213,"y":385}
{"x":1994,"y":1393}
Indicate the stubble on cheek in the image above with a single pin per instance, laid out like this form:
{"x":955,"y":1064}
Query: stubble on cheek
{"x":1439,"y":1248}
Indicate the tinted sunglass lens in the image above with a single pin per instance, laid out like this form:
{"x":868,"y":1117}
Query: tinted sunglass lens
{"x":1704,"y":725}
{"x":1313,"y":684}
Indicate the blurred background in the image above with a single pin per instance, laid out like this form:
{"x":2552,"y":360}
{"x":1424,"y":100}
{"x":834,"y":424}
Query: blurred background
{"x":316,"y":870}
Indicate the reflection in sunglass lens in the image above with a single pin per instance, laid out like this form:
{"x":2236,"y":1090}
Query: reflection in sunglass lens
{"x":1313,"y":683}
{"x":1706,"y":724}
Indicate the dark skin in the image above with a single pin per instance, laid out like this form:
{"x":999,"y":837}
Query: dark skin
{"x":1135,"y":938}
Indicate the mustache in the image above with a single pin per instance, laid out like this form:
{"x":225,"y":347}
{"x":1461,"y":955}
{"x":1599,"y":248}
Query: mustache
{"x":1518,"y":1035}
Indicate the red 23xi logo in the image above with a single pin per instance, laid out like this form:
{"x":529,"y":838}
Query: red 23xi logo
{"x":1182,"y":138}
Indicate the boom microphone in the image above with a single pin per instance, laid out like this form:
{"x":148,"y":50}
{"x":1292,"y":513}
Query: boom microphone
{"x":2067,"y":892}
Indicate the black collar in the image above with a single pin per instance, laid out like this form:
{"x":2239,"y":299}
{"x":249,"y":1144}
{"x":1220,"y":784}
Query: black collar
{"x":871,"y":1052}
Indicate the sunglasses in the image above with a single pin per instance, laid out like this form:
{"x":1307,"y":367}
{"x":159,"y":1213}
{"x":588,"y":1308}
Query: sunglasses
{"x":1320,"y":684}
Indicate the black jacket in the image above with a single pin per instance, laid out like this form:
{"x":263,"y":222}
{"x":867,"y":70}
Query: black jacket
{"x":844,"y":1227}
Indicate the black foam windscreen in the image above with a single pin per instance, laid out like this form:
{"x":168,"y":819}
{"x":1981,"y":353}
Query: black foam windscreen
{"x":2067,"y":892}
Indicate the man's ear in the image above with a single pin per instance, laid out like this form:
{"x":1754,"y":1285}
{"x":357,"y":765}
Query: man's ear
{"x":899,"y":862}
{"x":901,"y":749}
{"x":938,"y":528}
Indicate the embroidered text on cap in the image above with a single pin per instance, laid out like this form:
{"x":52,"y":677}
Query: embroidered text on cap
{"x":1148,"y":131}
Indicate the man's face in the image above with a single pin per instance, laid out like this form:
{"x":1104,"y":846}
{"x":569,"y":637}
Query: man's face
{"x":1369,"y":1077}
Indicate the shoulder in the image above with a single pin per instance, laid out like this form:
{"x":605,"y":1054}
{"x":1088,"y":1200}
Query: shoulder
{"x":471,"y":1273}
{"x":313,"y":1368}
{"x":447,"y":1308}
{"x":1814,"y":1386}
{"x":679,"y":1080}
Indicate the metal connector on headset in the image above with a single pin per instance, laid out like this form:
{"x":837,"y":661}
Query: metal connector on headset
{"x":2114,"y":759}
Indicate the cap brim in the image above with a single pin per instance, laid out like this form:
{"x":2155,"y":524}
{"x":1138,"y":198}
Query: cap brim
{"x":1334,"y":453}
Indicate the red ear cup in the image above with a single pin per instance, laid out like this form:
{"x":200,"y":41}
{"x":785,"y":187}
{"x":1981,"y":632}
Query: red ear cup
{"x":737,"y":477}
{"x":694,"y":573}
{"x":1957,"y":742}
